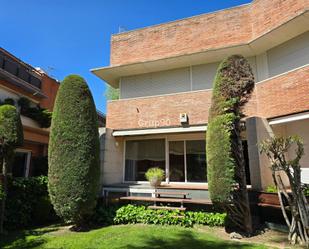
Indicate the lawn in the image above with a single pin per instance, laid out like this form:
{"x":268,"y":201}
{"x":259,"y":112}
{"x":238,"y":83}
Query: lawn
{"x":125,"y":236}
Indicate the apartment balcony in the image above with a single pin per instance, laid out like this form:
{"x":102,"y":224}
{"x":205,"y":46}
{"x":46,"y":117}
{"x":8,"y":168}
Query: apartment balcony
{"x":19,"y":74}
{"x":281,"y":95}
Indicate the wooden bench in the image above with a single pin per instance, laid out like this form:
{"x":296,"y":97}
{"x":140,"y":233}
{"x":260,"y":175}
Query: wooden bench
{"x":167,"y":200}
{"x":170,"y":194}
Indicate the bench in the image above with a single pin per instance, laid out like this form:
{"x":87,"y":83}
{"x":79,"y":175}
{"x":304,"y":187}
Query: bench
{"x":167,"y":200}
{"x":171,"y":194}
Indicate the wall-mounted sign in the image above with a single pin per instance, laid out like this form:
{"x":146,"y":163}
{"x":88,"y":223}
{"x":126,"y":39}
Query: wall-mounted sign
{"x":154,"y":123}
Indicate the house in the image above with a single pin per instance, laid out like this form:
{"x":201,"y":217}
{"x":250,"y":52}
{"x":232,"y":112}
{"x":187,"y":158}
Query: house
{"x":19,"y":80}
{"x":165,"y":73}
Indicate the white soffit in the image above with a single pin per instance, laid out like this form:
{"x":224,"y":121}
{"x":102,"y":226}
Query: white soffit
{"x":290,"y":118}
{"x":201,"y":128}
{"x":285,"y":32}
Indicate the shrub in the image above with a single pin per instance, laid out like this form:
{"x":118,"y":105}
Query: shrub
{"x":233,"y":85}
{"x":155,"y":173}
{"x":74,"y":152}
{"x":28,"y":203}
{"x":132,"y":214}
{"x":9,"y":101}
{"x":306,"y":190}
{"x":11,"y":136}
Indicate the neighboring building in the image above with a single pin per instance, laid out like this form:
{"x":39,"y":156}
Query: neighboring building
{"x":165,"y":75}
{"x":20,"y":80}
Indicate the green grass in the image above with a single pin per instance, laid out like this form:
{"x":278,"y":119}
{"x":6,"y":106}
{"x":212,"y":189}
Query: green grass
{"x":126,"y":236}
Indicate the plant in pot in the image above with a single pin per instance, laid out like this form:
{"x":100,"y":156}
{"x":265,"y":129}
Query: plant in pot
{"x":155,"y":176}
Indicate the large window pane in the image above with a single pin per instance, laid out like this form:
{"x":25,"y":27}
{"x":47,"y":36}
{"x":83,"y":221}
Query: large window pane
{"x":19,"y":165}
{"x":196,"y":161}
{"x":141,"y":155}
{"x":176,"y":160}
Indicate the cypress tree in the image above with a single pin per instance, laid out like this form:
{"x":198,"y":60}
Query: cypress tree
{"x":11,"y":136}
{"x":233,"y":85}
{"x":74,"y":152}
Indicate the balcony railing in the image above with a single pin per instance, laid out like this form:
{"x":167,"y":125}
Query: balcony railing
{"x":17,"y":72}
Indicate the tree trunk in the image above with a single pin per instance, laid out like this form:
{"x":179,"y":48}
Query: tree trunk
{"x":4,"y":183}
{"x":241,"y":198}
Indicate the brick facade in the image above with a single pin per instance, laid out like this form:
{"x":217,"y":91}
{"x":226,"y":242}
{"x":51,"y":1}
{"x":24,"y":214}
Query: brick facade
{"x":285,"y":94}
{"x":226,"y":28}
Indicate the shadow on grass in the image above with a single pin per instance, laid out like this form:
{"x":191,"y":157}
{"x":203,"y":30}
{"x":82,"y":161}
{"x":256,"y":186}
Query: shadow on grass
{"x":27,"y":239}
{"x":187,"y":239}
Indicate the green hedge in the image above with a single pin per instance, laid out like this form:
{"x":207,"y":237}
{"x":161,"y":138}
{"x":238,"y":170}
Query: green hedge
{"x":28,"y":203}
{"x":132,"y":214}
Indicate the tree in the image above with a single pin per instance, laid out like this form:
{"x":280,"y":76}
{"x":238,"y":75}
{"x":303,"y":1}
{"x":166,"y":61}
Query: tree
{"x":276,"y":149}
{"x":11,"y":136}
{"x":233,"y":85}
{"x":74,"y":152}
{"x":111,"y":93}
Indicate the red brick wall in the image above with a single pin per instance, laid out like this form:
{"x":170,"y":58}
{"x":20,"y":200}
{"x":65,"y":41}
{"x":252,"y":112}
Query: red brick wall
{"x":281,"y":95}
{"x":286,"y":94}
{"x":209,"y":31}
{"x":49,"y":88}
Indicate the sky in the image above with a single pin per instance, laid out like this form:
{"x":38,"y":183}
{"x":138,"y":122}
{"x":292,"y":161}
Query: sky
{"x":73,"y":36}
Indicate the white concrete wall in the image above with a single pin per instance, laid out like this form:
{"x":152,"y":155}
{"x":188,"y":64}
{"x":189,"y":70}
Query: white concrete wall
{"x":197,"y":77}
{"x":4,"y":93}
{"x":289,"y":55}
{"x":111,"y":155}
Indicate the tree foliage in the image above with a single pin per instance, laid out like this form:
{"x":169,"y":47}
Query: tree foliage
{"x":233,"y":85}
{"x":11,"y":136}
{"x":111,"y":93}
{"x":11,"y":131}
{"x":74,"y":151}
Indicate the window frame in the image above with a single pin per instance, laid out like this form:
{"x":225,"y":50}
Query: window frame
{"x":167,"y":166}
{"x":28,"y":160}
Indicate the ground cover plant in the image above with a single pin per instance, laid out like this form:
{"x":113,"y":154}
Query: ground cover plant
{"x":131,"y":214}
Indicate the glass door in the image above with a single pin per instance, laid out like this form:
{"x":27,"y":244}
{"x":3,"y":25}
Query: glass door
{"x":177,"y":161}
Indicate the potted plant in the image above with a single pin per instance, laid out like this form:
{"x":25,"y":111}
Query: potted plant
{"x":155,"y":176}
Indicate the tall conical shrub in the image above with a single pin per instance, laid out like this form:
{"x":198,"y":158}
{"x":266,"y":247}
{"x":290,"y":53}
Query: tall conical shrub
{"x":233,"y":85}
{"x":74,"y":151}
{"x":11,"y":136}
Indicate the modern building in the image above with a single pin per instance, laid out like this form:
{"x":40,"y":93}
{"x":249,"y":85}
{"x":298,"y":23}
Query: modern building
{"x":165,"y":75}
{"x":19,"y":80}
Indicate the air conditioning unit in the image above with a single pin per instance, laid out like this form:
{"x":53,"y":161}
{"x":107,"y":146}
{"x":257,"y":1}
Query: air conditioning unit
{"x":183,"y":118}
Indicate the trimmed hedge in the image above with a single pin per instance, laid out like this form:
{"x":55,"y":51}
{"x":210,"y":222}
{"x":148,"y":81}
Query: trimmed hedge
{"x":73,"y":154}
{"x":233,"y":85}
{"x":28,"y":203}
{"x":132,"y":214}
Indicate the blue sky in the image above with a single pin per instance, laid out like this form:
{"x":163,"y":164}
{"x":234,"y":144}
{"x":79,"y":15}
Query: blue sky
{"x":70,"y":37}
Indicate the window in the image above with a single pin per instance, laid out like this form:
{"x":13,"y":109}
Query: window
{"x":140,"y":155}
{"x":196,"y":161}
{"x":21,"y":162}
{"x":177,"y":161}
{"x":186,"y":163}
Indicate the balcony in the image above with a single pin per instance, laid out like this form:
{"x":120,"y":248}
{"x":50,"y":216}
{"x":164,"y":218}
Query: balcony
{"x":19,"y":74}
{"x":281,"y":95}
